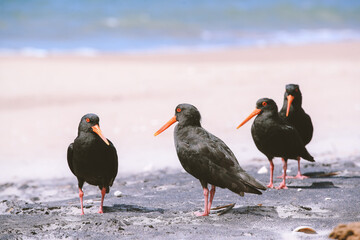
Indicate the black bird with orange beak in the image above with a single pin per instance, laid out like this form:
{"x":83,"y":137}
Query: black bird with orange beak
{"x":275,"y":138}
{"x":207,"y":157}
{"x":92,"y":158}
{"x":294,"y":114}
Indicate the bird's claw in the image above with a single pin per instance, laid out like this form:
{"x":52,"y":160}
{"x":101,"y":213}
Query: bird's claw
{"x":282,"y":186}
{"x":299,"y":176}
{"x":199,"y":214}
{"x":289,"y":177}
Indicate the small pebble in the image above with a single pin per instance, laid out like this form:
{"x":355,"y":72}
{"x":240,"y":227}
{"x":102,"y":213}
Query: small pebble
{"x":117,"y":194}
{"x":299,"y":190}
{"x":262,"y":170}
{"x":327,"y":198}
{"x":305,"y":229}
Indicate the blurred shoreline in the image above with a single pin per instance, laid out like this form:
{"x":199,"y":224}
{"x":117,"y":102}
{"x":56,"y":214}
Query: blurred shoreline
{"x":43,"y":98}
{"x":343,"y":49}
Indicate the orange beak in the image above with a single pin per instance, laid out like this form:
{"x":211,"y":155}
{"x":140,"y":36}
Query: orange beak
{"x":290,"y":98}
{"x":97,"y":130}
{"x":253,"y":114}
{"x":168,"y":124}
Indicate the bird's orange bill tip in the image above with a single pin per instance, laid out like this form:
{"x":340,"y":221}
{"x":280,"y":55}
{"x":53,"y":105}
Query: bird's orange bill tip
{"x":253,"y":114}
{"x":290,"y":98}
{"x":97,"y":130}
{"x":168,"y":124}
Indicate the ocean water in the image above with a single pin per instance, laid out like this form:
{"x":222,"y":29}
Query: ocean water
{"x":90,"y":26}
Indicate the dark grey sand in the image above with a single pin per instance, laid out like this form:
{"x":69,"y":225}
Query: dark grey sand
{"x":160,"y":205}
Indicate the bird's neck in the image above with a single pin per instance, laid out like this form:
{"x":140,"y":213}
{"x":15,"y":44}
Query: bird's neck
{"x":267,"y":115}
{"x":89,"y":136}
{"x":182,"y":130}
{"x":189,"y":123}
{"x":82,"y":130}
{"x":294,"y":108}
{"x":296,"y":104}
{"x":262,"y":124}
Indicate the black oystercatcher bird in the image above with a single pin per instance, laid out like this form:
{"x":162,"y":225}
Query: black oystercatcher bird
{"x":92,"y":158}
{"x":207,"y":157}
{"x":274,"y":137}
{"x":294,"y":114}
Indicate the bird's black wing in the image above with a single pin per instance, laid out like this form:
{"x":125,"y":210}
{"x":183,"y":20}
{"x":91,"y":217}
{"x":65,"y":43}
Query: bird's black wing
{"x":285,"y":141}
{"x":113,"y":157}
{"x":308,"y":129}
{"x":70,"y":157}
{"x":302,"y":122}
{"x":210,"y":160}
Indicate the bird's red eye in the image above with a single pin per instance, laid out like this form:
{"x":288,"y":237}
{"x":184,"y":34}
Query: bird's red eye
{"x":296,"y":90}
{"x":264,"y":103}
{"x":87,"y":120}
{"x":178,"y":109}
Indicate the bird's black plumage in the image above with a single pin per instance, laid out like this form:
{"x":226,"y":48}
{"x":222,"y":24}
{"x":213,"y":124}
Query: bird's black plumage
{"x":293,"y":113}
{"x":90,"y":158}
{"x":206,"y":157}
{"x":274,"y":137}
{"x":297,"y":117}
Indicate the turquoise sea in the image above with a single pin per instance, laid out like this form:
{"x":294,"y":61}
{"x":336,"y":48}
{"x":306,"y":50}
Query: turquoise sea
{"x":144,"y":25}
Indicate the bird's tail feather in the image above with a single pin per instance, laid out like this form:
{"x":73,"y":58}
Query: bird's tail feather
{"x":306,"y":155}
{"x":244,"y":183}
{"x":251,"y":181}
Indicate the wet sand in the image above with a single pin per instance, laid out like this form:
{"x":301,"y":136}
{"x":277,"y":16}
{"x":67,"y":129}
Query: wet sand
{"x":43,"y":99}
{"x":160,"y":205}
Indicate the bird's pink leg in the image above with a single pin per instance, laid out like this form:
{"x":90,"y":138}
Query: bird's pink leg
{"x":103,"y":192}
{"x":212,"y":194}
{"x":283,"y":183}
{"x":81,"y":195}
{"x":282,"y":176}
{"x":287,"y":177}
{"x":299,"y":175}
{"x":271,"y":185}
{"x":206,"y":208}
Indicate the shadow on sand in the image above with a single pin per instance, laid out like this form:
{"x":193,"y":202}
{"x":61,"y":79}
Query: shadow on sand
{"x":131,"y":208}
{"x":317,"y":185}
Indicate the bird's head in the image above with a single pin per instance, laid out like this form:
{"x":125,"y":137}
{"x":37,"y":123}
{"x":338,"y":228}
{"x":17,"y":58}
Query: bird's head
{"x":293,"y":96}
{"x":263,"y":105}
{"x":185,"y":114}
{"x":90,"y":123}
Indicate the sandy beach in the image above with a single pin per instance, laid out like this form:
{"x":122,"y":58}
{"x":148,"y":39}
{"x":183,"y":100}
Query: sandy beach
{"x":43,"y":98}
